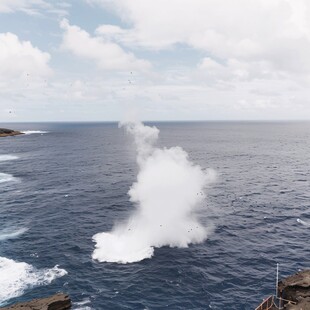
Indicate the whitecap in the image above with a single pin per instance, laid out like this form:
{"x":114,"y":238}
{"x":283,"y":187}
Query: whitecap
{"x":30,"y":132}
{"x":6,"y":234}
{"x":8,"y":157}
{"x":303,"y":222}
{"x":82,"y":305}
{"x":5,"y":177}
{"x":17,"y":277}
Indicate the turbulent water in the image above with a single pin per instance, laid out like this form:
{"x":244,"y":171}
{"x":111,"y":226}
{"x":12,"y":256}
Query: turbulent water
{"x":61,"y":184}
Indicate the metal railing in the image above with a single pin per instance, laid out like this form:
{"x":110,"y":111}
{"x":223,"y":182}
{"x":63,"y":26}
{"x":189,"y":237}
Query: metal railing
{"x":266,"y":304}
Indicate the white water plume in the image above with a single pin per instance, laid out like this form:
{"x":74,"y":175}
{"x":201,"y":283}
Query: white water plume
{"x":168,"y":191}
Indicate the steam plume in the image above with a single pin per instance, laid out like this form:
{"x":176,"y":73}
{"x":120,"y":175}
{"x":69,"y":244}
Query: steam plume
{"x":168,"y":191}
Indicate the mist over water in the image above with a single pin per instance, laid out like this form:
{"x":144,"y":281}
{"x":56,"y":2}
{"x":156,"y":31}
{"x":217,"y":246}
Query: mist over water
{"x":168,"y":192}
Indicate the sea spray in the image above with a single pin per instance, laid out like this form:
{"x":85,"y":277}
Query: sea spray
{"x":168,"y":191}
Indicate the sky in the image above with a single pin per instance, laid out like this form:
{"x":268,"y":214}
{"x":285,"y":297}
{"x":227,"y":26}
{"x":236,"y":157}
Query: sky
{"x":102,"y":60}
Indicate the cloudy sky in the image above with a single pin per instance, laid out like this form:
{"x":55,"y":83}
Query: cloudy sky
{"x":98,"y":60}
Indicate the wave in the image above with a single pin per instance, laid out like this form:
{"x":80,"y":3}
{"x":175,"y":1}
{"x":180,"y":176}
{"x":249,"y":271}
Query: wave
{"x":30,"y":132}
{"x":18,"y":277}
{"x":9,"y":234}
{"x":8,"y":157}
{"x":303,"y":222}
{"x":5,"y":177}
{"x":82,"y":305}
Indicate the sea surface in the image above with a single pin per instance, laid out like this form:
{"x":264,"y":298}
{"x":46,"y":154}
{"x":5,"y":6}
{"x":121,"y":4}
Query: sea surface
{"x":62,"y":183}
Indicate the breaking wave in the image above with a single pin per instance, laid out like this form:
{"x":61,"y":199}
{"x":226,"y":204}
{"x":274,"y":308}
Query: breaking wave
{"x":17,"y":277}
{"x":8,"y":157}
{"x":82,"y":305}
{"x":5,"y":177}
{"x":6,"y":234}
{"x":30,"y":132}
{"x":303,"y":222}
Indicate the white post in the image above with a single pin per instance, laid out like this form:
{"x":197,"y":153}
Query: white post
{"x":277,"y":280}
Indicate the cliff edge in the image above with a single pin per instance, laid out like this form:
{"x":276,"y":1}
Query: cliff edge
{"x":296,"y":288}
{"x":56,"y":302}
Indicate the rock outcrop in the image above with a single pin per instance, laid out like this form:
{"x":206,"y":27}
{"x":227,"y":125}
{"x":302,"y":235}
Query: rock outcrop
{"x":9,"y":132}
{"x":56,"y":302}
{"x":293,"y":294}
{"x":296,"y":288}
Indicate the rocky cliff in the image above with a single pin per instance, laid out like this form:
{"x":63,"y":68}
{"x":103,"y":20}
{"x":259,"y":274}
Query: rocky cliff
{"x":56,"y":302}
{"x":9,"y":132}
{"x":296,"y":288}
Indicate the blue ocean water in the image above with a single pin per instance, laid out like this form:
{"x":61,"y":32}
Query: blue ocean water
{"x":59,"y":188}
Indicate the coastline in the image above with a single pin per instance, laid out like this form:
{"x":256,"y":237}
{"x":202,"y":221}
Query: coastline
{"x":58,"y":301}
{"x":4,"y":132}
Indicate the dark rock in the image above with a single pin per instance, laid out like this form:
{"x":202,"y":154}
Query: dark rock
{"x":4,"y":132}
{"x":56,"y":302}
{"x":296,"y":288}
{"x":293,"y":293}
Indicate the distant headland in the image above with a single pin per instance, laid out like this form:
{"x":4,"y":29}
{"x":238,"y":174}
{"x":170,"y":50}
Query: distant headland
{"x":4,"y":132}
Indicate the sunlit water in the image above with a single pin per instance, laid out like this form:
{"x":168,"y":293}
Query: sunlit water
{"x":62,"y":183}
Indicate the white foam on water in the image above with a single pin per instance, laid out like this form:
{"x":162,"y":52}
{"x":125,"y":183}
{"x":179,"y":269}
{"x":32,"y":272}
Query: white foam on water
{"x":303,"y":222}
{"x":30,"y":132}
{"x":5,"y":177}
{"x":6,"y":234}
{"x":8,"y":157}
{"x":17,"y":277}
{"x":83,"y":308}
{"x":167,"y":194}
{"x":82,"y":305}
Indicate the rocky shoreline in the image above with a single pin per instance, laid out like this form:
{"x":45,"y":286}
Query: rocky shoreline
{"x":58,"y":301}
{"x":4,"y":132}
{"x":293,"y":294}
{"x":295,"y":291}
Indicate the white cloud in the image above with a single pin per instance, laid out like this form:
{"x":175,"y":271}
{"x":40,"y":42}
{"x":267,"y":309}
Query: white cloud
{"x":34,"y":7}
{"x":19,"y":58}
{"x":215,"y":59}
{"x":273,"y":31}
{"x":28,"y":6}
{"x":106,"y":54}
{"x":235,"y":70}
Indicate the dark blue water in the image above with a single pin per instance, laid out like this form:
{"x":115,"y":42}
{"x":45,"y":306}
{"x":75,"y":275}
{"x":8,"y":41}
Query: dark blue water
{"x":73,"y":183}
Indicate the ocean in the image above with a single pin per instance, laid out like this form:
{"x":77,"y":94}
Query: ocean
{"x":63,"y":183}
